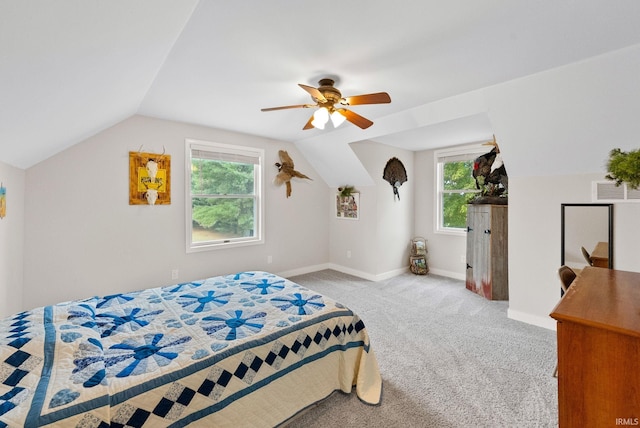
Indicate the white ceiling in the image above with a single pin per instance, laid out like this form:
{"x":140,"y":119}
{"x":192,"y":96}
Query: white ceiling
{"x":69,"y":69}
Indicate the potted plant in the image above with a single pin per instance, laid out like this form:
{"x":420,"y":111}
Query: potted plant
{"x":624,"y":167}
{"x":346,"y":191}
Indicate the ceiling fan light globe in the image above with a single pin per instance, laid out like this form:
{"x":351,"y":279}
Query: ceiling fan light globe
{"x":320,"y":118}
{"x":337,"y":118}
{"x":322,"y":114}
{"x":317,"y":124}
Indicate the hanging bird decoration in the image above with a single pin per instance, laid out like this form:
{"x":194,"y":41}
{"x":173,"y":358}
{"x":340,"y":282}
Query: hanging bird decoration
{"x":395,"y":174}
{"x":286,"y":171}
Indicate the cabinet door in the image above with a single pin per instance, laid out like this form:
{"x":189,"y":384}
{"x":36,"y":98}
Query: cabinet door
{"x":471,"y":231}
{"x":478,"y":278}
{"x":482,"y":254}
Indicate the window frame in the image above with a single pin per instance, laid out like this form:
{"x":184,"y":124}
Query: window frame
{"x":258,"y":197}
{"x":466,"y":152}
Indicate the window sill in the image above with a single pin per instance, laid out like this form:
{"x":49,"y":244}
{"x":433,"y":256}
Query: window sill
{"x":222,"y":245}
{"x":451,"y":232}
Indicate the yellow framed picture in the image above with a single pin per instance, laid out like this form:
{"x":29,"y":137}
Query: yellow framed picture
{"x":149,"y":179}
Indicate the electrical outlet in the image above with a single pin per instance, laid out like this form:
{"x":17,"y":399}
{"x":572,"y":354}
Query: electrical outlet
{"x":348,"y":254}
{"x":174,"y":274}
{"x":269,"y":259}
{"x":463,"y":258}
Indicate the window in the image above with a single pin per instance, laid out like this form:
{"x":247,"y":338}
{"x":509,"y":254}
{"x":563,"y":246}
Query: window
{"x":455,"y":186}
{"x":224,"y":195}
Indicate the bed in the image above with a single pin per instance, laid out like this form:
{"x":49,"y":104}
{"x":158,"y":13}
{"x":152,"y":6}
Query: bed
{"x":245,"y":350}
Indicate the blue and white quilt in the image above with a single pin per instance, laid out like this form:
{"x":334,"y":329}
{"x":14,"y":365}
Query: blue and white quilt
{"x":250,"y":349}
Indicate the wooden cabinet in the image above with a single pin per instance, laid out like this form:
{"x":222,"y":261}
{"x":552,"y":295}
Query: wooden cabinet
{"x":598,"y":323}
{"x":487,"y":261}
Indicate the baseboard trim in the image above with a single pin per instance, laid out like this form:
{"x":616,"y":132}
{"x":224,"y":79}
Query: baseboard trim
{"x":448,"y":274}
{"x":344,"y":269}
{"x":368,"y":276}
{"x":304,"y":270}
{"x":544,"y":322}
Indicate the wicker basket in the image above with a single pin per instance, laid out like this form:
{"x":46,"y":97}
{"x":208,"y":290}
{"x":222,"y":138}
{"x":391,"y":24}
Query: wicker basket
{"x":418,"y":257}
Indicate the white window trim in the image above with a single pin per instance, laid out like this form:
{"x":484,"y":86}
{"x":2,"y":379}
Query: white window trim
{"x":258,"y":239}
{"x":473,"y":150}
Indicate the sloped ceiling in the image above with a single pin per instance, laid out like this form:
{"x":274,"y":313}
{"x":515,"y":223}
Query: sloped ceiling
{"x":69,"y":69}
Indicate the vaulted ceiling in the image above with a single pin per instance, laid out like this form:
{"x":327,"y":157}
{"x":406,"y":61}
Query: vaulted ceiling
{"x":69,"y":69}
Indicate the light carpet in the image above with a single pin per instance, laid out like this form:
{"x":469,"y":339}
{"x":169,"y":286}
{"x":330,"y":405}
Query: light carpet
{"x":448,"y":357}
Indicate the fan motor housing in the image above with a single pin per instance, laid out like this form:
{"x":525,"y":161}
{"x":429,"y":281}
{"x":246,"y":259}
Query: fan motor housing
{"x":330,"y":93}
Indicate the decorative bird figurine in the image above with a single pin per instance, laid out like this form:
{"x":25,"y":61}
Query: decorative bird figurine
{"x":286,"y":171}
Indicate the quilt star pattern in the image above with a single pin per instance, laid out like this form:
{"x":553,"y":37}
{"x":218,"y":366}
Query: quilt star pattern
{"x":202,"y":351}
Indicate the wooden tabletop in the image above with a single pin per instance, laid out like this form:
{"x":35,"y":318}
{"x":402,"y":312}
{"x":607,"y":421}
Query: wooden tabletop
{"x":603,"y":298}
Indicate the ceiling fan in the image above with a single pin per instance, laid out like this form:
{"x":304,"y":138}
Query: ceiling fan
{"x":330,"y":102}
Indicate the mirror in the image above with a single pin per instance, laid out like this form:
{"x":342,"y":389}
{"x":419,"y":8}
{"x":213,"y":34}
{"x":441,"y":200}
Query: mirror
{"x":588,"y":226}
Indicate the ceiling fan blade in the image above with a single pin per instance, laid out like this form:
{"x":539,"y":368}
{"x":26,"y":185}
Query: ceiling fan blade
{"x":314,"y":92}
{"x":355,"y":118}
{"x":286,"y":107}
{"x":308,"y":125}
{"x":377,"y":98}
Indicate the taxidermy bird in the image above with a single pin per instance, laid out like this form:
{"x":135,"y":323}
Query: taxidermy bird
{"x":286,"y":171}
{"x":395,"y":174}
{"x":490,"y":168}
{"x":482,"y":166}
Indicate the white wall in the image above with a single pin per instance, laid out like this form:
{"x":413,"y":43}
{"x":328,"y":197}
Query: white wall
{"x":535,"y":235}
{"x":12,"y":241}
{"x":355,"y":237}
{"x":626,"y":237}
{"x":445,"y":250}
{"x":536,"y":119}
{"x":565,"y":121}
{"x":379,"y":241}
{"x":395,"y":216}
{"x":100,"y":243}
{"x":534,"y":242}
{"x":83,"y":238}
{"x":591,"y":105}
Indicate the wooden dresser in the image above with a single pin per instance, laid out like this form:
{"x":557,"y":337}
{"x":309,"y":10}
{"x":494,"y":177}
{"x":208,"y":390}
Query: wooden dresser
{"x":599,"y":350}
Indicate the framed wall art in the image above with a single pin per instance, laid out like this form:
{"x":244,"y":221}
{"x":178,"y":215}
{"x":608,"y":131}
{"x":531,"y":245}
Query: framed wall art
{"x":149,"y":178}
{"x":3,"y":201}
{"x":348,"y":207}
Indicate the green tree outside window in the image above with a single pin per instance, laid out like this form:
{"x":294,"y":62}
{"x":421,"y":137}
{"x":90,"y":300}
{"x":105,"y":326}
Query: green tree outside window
{"x":458,"y":188}
{"x":223,"y":200}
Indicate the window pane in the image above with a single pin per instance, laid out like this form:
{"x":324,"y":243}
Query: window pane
{"x":222,"y":218}
{"x":458,"y":176}
{"x":456,"y":186}
{"x":454,"y":209}
{"x":214,"y":177}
